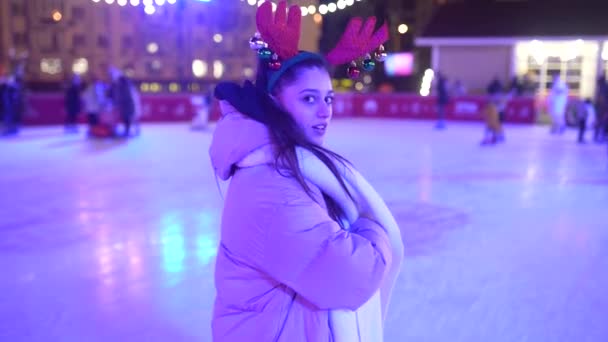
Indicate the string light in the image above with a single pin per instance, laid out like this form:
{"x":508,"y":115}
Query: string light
{"x":313,"y":10}
{"x":149,"y":5}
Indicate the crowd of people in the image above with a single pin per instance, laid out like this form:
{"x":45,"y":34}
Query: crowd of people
{"x":562,"y":108}
{"x":105,"y":105}
{"x":112,"y":108}
{"x":585,"y":113}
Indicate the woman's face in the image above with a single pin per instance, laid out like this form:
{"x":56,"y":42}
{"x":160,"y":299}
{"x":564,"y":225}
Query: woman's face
{"x":309,"y":101}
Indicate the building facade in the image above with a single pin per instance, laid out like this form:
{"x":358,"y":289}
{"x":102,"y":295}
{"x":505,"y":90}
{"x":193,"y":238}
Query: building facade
{"x":183,"y":43}
{"x":475,"y":44}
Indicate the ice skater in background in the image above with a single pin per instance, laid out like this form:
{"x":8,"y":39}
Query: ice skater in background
{"x":601,"y":109}
{"x":556,"y":104}
{"x":443,"y":99}
{"x":13,"y":104}
{"x":498,"y":98}
{"x":125,"y":99}
{"x":202,"y":106}
{"x":95,"y":103}
{"x":586,"y":117}
{"x":73,"y":103}
{"x":494,"y":132}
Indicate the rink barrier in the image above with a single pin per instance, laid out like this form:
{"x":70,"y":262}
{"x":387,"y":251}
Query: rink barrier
{"x":48,"y":109}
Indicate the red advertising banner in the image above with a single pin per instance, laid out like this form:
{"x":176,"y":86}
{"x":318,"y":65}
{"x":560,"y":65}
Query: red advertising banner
{"x":48,"y":109}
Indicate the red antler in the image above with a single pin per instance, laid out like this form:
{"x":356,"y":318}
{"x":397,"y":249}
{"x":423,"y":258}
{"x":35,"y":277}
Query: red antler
{"x":356,"y":42}
{"x":283,"y":33}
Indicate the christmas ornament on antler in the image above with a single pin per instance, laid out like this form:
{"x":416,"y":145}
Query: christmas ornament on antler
{"x":353,"y":71}
{"x":380,"y":54}
{"x":256,"y":42}
{"x":265,"y":53}
{"x":368,"y":63}
{"x":275,"y":63}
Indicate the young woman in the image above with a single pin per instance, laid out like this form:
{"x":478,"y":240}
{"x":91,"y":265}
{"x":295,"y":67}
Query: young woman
{"x":308,"y":250}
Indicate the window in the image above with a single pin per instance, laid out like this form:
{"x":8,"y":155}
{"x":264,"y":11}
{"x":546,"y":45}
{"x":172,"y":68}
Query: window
{"x":102,"y":42}
{"x":19,"y":38}
{"x":80,"y":66}
{"x":126,"y":43}
{"x":47,"y":41}
{"x":218,"y":69}
{"x":574,"y":61}
{"x":51,"y":66}
{"x":154,"y":67}
{"x":200,"y":19}
{"x":199,"y":68}
{"x":126,"y":14}
{"x":17,"y":8}
{"x":78,"y":13}
{"x":79,"y":41}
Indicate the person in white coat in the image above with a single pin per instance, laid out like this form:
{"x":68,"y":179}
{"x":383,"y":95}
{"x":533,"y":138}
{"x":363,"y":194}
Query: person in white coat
{"x":95,"y":101}
{"x":557,"y":101}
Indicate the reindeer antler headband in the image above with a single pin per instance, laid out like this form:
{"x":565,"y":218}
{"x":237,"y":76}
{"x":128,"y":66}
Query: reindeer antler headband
{"x":278,"y":38}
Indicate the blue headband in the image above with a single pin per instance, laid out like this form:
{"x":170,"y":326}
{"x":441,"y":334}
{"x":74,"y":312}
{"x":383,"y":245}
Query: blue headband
{"x":285,"y":65}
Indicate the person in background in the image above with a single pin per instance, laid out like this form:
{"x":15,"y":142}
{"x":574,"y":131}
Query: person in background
{"x":73,"y":104}
{"x":516,"y":87}
{"x":459,"y":89}
{"x":121,"y":93}
{"x":529,"y":84}
{"x":137,"y":108}
{"x":584,"y":112}
{"x":601,"y":109}
{"x":95,"y":101}
{"x":556,"y":102}
{"x":13,"y":104}
{"x":202,"y":106}
{"x":443,"y":99}
{"x":495,"y":92}
{"x":3,"y":87}
{"x":493,"y":126}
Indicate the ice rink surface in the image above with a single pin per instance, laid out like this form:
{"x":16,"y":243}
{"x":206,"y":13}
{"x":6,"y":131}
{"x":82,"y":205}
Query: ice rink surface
{"x":115,"y":240}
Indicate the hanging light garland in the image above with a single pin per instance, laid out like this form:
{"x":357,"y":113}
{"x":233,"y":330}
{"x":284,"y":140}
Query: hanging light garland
{"x":322,"y":9}
{"x":150,"y":5}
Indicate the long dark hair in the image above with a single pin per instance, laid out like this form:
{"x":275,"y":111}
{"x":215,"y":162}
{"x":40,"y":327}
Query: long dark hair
{"x":286,"y":135}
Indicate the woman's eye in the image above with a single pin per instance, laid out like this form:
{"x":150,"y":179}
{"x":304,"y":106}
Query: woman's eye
{"x":329,"y":100}
{"x":309,"y":99}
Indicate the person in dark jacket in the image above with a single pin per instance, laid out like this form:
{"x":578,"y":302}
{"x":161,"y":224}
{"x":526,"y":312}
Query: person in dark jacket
{"x":122,"y":98}
{"x":585,"y":112}
{"x":2,"y":90}
{"x":601,"y":109}
{"x":13,"y":105}
{"x":73,"y":104}
{"x":495,"y":92}
{"x":443,"y":98}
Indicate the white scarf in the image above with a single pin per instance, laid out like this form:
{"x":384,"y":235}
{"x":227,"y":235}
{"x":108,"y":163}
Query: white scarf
{"x":366,"y":323}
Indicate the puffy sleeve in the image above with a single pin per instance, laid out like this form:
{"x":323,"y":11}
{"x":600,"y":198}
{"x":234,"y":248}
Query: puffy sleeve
{"x":306,"y":250}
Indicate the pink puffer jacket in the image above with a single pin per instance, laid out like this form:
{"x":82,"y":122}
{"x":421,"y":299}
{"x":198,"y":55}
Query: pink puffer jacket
{"x":283,"y":262}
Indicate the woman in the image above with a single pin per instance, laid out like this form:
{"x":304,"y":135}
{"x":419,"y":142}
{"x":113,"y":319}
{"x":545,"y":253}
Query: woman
{"x":287,"y":268}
